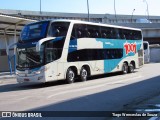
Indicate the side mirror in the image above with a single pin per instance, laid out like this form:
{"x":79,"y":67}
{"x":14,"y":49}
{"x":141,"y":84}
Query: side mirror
{"x":40,"y":42}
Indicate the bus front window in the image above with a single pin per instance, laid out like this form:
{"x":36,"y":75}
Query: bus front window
{"x":29,"y":58}
{"x":34,"y":31}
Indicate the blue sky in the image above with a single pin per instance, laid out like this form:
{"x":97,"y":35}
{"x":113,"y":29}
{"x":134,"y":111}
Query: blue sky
{"x":79,"y":6}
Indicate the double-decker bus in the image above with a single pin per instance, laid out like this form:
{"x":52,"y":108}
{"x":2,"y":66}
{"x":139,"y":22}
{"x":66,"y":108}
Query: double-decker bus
{"x":69,"y":49}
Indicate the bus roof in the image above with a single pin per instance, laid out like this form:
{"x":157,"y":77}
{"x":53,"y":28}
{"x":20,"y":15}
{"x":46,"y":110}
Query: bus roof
{"x":92,"y":23}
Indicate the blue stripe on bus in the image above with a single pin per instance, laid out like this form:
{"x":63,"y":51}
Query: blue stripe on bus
{"x":72,"y":45}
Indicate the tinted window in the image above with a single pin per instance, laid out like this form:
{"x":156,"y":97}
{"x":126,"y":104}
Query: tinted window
{"x":34,"y":31}
{"x":121,"y":34}
{"x":106,"y":32}
{"x":58,"y":29}
{"x":85,"y":31}
{"x":138,"y":35}
{"x":79,"y":31}
{"x":29,"y":57}
{"x":53,"y":50}
{"x":93,"y":31}
{"x":94,"y":54}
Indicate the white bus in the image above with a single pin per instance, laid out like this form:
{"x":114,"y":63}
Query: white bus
{"x":146,"y":52}
{"x":68,"y":49}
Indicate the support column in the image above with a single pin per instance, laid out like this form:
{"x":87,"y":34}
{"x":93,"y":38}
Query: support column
{"x":7,"y":51}
{"x":15,"y":41}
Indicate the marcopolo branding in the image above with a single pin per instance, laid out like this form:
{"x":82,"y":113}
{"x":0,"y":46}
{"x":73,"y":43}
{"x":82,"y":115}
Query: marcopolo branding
{"x":130,"y":47}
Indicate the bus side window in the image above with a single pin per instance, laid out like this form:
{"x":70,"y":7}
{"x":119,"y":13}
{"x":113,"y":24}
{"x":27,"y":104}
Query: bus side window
{"x":97,"y":34}
{"x":89,"y":31}
{"x":121,"y":34}
{"x":108,"y":54}
{"x":131,"y":35}
{"x":138,"y":35}
{"x":53,"y":50}
{"x":93,"y":31}
{"x":73,"y":34}
{"x":49,"y":52}
{"x":76,"y":32}
{"x":104,"y":34}
{"x":126,"y":33}
{"x":115,"y":33}
{"x":79,"y":31}
{"x":134,"y":35}
{"x":88,"y":34}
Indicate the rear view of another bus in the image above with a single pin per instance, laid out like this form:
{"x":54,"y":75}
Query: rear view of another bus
{"x":146,"y":52}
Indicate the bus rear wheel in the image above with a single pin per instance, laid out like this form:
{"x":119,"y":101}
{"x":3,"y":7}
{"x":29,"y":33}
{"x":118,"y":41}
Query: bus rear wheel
{"x":125,"y":68}
{"x":83,"y":74}
{"x":131,"y":68}
{"x":70,"y":76}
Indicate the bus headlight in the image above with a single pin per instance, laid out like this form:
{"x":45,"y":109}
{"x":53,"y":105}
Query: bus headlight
{"x":37,"y":72}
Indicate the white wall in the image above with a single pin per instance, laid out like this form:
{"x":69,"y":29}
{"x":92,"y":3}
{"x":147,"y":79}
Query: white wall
{"x":155,"y":54}
{"x":2,"y":43}
{"x":9,"y":41}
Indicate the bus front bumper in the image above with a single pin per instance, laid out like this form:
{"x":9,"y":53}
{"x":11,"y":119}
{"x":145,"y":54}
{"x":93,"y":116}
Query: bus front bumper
{"x":26,"y":79}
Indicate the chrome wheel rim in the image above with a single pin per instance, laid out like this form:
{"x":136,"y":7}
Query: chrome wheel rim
{"x":84,"y":73}
{"x":71,"y":75}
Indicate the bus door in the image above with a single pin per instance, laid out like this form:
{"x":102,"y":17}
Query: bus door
{"x":56,"y":66}
{"x":51,"y":60}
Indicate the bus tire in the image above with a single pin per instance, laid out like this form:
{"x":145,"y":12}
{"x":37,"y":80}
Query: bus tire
{"x":70,"y":76}
{"x":125,"y":68}
{"x":83,"y":74}
{"x":131,"y":68}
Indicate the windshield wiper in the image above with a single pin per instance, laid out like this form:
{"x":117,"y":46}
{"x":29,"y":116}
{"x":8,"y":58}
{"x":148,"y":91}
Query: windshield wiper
{"x":32,"y":56}
{"x":33,"y":60}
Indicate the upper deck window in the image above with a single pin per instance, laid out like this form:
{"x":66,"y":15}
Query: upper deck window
{"x":59,"y":29}
{"x":105,"y":32}
{"x":34,"y":31}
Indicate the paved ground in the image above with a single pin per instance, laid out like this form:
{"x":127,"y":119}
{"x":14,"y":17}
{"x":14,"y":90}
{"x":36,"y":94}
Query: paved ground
{"x":101,"y":93}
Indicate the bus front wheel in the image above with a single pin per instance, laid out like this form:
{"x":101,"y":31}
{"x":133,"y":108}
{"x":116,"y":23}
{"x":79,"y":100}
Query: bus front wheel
{"x":70,"y":76}
{"x":83,"y":74}
{"x":125,"y":68}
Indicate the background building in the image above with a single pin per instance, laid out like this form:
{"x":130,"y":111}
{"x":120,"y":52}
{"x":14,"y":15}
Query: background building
{"x":150,"y":28}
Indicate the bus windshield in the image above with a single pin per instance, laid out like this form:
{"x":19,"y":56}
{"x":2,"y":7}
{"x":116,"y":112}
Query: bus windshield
{"x":29,"y":58}
{"x":34,"y":31}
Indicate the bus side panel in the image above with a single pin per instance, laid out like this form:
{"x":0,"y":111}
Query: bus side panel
{"x":96,"y":66}
{"x":127,"y":50}
{"x":130,"y":53}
